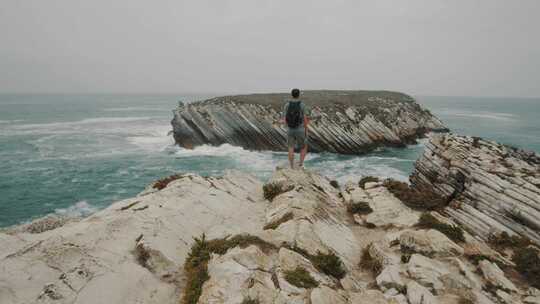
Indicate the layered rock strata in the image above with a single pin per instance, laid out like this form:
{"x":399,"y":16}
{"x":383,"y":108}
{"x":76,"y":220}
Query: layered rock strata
{"x":348,"y":122}
{"x":135,"y":250}
{"x":491,"y":188}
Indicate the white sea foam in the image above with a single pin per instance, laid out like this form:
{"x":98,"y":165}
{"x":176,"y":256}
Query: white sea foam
{"x":262,"y":163}
{"x":81,"y":208}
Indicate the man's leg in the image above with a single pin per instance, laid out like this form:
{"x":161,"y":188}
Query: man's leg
{"x":303,"y":153}
{"x":291,"y":157}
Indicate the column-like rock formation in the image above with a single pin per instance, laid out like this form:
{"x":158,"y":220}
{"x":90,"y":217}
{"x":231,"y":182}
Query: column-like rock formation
{"x":348,"y":122}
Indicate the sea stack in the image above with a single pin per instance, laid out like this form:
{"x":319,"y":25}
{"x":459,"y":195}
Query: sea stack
{"x":346,"y":122}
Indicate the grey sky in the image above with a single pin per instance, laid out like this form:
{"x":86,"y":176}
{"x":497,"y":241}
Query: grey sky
{"x":431,"y":47}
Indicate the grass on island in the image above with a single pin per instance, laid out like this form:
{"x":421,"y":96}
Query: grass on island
{"x":300,"y":277}
{"x":367,"y":179}
{"x":327,"y":263}
{"x":359,"y":208}
{"x":428,"y":221}
{"x":162,"y":183}
{"x":367,"y":262}
{"x":285,"y":218}
{"x":196,"y":264}
{"x":419,"y":199}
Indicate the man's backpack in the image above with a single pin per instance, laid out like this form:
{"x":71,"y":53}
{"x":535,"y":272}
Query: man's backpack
{"x":295,"y":115}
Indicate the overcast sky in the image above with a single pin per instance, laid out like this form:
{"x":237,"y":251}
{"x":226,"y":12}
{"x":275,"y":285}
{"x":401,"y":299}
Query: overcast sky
{"x":430,"y":47}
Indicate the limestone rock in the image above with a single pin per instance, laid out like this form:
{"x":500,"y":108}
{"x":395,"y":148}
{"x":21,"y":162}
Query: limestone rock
{"x":418,"y":294}
{"x":429,"y":242}
{"x":326,"y":295}
{"x":427,"y":272}
{"x":371,"y":296}
{"x":388,"y":210}
{"x":494,"y":275}
{"x":390,"y":277}
{"x":492,"y":187}
{"x":348,"y":122}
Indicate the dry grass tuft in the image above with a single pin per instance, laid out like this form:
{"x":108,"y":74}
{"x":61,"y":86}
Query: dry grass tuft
{"x":367,"y":262}
{"x":367,"y":179}
{"x":162,"y":183}
{"x":419,"y":199}
{"x":428,"y":221}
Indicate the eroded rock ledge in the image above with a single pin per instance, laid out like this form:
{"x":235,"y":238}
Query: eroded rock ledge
{"x":348,"y":122}
{"x":491,"y":187}
{"x":301,"y":245}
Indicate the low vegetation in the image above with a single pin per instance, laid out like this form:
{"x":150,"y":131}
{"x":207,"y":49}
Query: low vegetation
{"x":419,"y":199}
{"x":271,"y":190}
{"x":273,"y":225}
{"x":300,"y":277}
{"x":503,"y":240}
{"x":250,"y":301}
{"x":428,"y":221}
{"x":162,"y":183}
{"x":527,"y":262}
{"x":367,"y":262}
{"x":367,"y":179}
{"x":359,"y":208}
{"x":329,"y":263}
{"x":196,"y":264}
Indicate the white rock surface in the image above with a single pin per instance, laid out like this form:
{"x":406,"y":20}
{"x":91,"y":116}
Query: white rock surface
{"x":494,"y":275}
{"x":430,"y":242}
{"x":418,"y":294}
{"x":134,"y":251}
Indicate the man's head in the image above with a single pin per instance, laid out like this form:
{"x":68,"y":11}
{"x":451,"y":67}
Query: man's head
{"x":295,"y":93}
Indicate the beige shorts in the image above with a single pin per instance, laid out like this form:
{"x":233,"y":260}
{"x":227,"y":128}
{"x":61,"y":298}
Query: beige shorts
{"x":296,"y":137}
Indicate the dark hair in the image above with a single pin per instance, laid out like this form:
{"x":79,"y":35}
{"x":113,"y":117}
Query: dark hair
{"x":295,"y":93}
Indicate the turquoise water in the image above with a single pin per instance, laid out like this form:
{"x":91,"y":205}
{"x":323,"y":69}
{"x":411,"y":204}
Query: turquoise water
{"x":74,"y":154}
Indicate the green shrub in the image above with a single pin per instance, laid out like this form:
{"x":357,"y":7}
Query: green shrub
{"x":300,"y":277}
{"x":419,"y":199}
{"x":196,"y":264}
{"x":428,"y":221}
{"x":359,"y":208}
{"x":367,"y":179}
{"x":196,"y":270}
{"x":527,"y":262}
{"x":329,"y":264}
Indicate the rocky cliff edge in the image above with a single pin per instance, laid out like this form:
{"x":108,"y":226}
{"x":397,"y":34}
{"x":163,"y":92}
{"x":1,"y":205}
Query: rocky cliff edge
{"x":300,"y":238}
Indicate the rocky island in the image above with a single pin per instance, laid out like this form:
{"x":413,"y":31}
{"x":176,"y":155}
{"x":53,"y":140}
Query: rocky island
{"x":347,"y":122}
{"x":299,"y":238}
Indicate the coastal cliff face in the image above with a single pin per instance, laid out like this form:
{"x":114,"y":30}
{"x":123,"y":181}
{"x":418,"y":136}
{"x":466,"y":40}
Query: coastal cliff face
{"x":347,"y":122}
{"x":491,"y":187}
{"x":299,"y":238}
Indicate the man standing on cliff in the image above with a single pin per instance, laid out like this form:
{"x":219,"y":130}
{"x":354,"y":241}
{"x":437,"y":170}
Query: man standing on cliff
{"x":296,"y":117}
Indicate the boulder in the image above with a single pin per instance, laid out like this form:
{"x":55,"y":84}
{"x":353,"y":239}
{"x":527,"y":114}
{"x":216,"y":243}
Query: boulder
{"x":418,"y":294}
{"x":429,"y":242}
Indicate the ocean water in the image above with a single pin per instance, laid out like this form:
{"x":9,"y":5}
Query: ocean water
{"x":75,"y":154}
